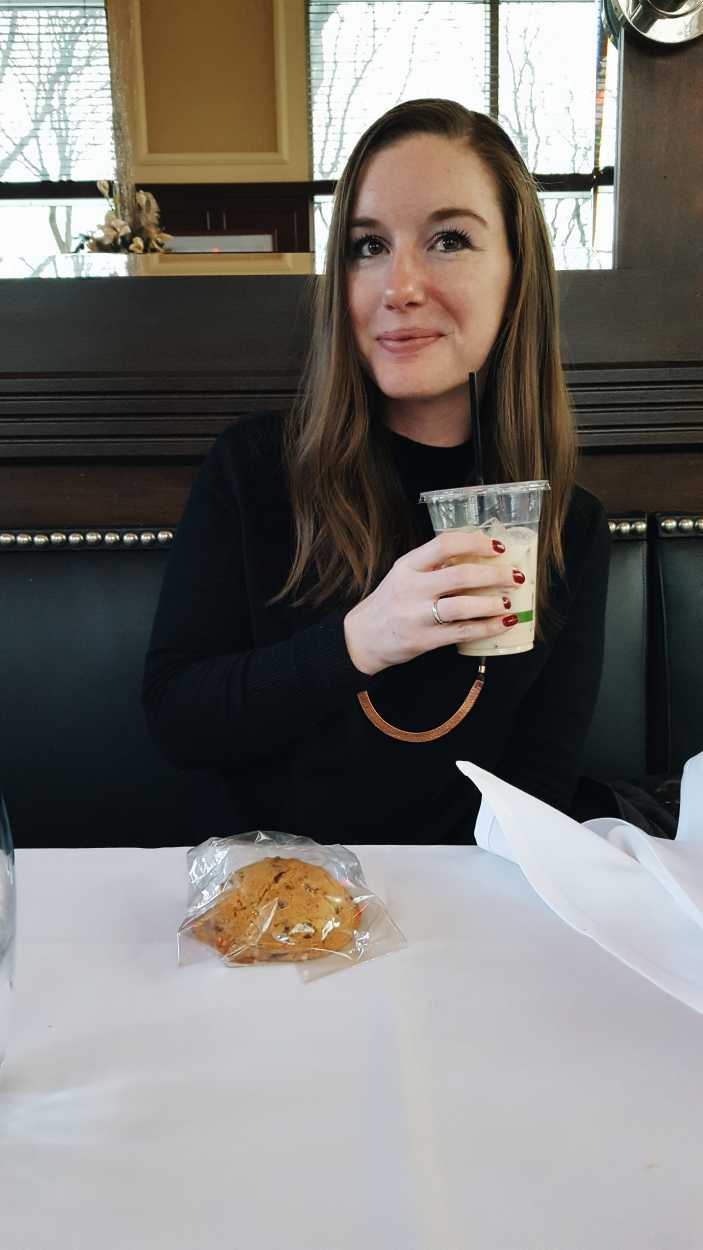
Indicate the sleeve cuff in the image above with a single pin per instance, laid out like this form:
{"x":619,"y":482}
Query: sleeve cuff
{"x":323,"y":664}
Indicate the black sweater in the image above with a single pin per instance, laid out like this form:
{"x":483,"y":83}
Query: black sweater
{"x":264,"y":697}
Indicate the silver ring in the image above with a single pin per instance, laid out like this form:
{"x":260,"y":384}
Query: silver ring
{"x":435,"y":613}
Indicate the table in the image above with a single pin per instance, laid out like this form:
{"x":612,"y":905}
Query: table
{"x":501,"y":1084}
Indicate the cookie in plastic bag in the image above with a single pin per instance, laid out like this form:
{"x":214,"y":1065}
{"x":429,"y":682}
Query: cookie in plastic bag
{"x":265,"y":897}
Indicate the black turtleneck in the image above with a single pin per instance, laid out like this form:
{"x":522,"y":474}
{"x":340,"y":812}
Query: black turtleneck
{"x":263,"y":696}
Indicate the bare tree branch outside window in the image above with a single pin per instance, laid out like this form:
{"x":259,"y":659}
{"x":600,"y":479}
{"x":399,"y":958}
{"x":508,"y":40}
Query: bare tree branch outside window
{"x":367,"y":57}
{"x":55,"y":105}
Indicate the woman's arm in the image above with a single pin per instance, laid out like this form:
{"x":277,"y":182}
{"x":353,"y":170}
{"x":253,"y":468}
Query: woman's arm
{"x":210,"y":696}
{"x":543,"y":755}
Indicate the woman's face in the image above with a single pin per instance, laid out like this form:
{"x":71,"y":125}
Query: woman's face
{"x":430,"y":267}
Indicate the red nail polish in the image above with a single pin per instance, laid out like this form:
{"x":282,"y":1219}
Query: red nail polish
{"x":518,"y":577}
{"x":509,"y":620}
{"x":498,"y":546}
{"x":506,"y":602}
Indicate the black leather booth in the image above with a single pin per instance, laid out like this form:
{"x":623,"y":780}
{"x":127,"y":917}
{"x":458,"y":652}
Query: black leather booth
{"x":77,"y":766}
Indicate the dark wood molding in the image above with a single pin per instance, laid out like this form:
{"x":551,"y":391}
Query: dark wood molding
{"x":177,"y":415}
{"x":654,"y":406}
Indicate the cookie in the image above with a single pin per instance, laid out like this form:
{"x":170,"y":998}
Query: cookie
{"x":279,"y":910}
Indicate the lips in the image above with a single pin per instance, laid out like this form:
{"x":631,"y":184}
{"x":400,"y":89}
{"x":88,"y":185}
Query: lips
{"x":405,"y":342}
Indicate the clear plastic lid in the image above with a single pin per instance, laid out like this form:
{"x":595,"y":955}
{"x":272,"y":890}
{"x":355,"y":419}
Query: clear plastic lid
{"x":503,"y":503}
{"x":493,"y":488}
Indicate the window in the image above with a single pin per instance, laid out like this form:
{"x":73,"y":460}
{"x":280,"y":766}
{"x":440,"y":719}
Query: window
{"x":543,"y":68}
{"x":55,"y":122}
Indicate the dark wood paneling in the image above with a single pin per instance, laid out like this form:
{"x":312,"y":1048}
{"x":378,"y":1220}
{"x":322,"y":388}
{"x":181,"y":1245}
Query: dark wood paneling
{"x":110,"y":368}
{"x":282,"y":209}
{"x":659,"y":177}
{"x":179,"y":415}
{"x":653,"y":405}
{"x":111,"y":391}
{"x":644,"y":479}
{"x":257,"y":327}
{"x":130,"y":327}
{"x":93,"y":495}
{"x":98,"y":494}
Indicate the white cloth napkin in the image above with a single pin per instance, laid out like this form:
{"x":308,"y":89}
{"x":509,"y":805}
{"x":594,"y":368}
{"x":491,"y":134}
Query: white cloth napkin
{"x":639,"y":897}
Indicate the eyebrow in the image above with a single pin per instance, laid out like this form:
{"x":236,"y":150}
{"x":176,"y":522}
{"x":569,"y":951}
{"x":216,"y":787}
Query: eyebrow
{"x":440,"y":214}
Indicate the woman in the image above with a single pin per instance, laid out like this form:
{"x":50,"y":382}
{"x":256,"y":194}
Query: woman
{"x":305,"y":572}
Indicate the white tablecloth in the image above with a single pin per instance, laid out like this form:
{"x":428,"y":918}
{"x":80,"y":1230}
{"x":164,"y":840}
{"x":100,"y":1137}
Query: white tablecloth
{"x":501,"y":1084}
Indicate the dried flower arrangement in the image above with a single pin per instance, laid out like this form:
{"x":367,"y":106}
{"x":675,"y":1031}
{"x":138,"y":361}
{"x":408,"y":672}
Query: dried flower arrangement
{"x":117,"y":234}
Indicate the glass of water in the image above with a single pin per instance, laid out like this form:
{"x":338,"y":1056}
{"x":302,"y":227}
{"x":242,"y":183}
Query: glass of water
{"x":7,"y":925}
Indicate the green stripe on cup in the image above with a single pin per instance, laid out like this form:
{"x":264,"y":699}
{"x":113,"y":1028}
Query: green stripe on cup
{"x":524,"y":616}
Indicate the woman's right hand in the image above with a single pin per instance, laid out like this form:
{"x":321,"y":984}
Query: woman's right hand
{"x":395,"y":622}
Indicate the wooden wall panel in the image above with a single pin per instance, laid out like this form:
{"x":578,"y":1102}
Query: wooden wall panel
{"x":103,"y":493}
{"x":111,"y":391}
{"x":645,"y":479}
{"x":659,"y":175}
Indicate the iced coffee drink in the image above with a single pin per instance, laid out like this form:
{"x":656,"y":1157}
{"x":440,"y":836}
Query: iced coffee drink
{"x":509,"y":512}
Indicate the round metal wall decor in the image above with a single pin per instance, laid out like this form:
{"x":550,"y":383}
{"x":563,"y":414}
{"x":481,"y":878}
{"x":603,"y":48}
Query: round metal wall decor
{"x":666,"y":21}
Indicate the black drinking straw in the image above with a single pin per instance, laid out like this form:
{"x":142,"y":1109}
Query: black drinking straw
{"x":476,"y":430}
{"x":478,"y":464}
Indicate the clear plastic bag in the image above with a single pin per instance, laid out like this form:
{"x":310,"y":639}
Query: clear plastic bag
{"x":264,"y":897}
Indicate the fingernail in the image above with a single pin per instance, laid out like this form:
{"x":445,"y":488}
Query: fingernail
{"x":506,"y":602}
{"x":509,"y":620}
{"x":498,"y":546}
{"x":518,"y":577}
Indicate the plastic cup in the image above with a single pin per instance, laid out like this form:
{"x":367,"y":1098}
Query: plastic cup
{"x":509,"y":511}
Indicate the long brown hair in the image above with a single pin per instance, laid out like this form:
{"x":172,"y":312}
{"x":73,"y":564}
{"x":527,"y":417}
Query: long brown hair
{"x":351,"y":517}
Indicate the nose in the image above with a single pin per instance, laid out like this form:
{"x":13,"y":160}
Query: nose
{"x":404,"y":280}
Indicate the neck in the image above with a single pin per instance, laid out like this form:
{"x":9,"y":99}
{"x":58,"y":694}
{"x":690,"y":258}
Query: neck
{"x":433,"y":424}
{"x":443,"y":421}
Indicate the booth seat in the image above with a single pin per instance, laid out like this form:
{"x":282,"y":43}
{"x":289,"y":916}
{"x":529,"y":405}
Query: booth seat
{"x":78,"y":768}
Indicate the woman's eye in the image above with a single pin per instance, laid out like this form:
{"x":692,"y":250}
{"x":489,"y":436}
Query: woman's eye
{"x":368,"y":245}
{"x":452,"y":240}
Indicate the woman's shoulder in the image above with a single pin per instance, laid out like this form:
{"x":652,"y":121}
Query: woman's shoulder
{"x":245,"y":455}
{"x":253,"y":434}
{"x":586,"y":521}
{"x":586,"y":541}
{"x":248,"y":449}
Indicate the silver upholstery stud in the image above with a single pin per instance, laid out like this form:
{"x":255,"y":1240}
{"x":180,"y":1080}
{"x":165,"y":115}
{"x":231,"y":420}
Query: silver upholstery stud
{"x":24,"y":540}
{"x":129,"y":540}
{"x":75,"y":539}
{"x":147,"y":538}
{"x":111,"y":538}
{"x":640,"y":527}
{"x":57,"y":539}
{"x":164,"y":536}
{"x":93,"y":538}
{"x":699,"y":524}
{"x":612,"y":527}
{"x":40,"y":540}
{"x":686,"y":524}
{"x":668,"y":524}
{"x":624,"y":527}
{"x":6,"y":540}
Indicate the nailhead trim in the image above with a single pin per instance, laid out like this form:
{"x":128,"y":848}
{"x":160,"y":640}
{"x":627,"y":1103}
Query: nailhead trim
{"x":627,"y":527}
{"x":132,"y":539}
{"x":129,"y":539}
{"x":682,"y":525}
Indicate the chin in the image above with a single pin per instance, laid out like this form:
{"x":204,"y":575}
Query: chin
{"x":395,"y":387}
